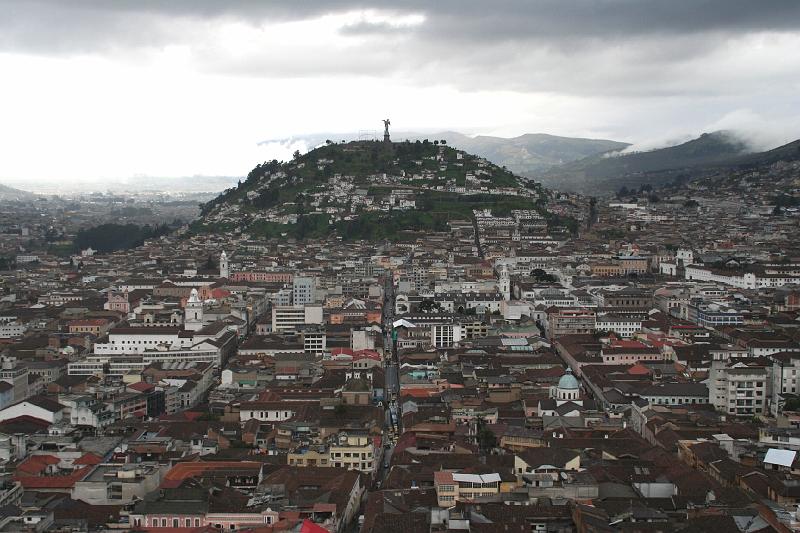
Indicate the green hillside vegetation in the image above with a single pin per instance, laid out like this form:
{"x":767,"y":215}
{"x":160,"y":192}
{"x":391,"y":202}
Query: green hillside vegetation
{"x":336,"y":189}
{"x":113,"y":237}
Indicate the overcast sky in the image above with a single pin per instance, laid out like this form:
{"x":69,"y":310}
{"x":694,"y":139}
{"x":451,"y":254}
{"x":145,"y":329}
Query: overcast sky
{"x":118,"y":88}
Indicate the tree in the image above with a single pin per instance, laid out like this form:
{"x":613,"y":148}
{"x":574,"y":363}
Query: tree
{"x":51,"y":235}
{"x":113,"y":237}
{"x":487,"y":440}
{"x":543,"y":277}
{"x":443,"y":142}
{"x":592,"y":212}
{"x":792,"y":404}
{"x":296,"y":155}
{"x":428,"y":306}
{"x":623,"y":192}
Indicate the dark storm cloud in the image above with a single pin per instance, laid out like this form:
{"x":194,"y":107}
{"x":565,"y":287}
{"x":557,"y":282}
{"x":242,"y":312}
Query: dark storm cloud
{"x":617,"y":48}
{"x":63,"y":26}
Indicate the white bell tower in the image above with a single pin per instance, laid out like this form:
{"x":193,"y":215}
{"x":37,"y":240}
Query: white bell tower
{"x":505,"y":282}
{"x":224,"y":267}
{"x":193,"y":313}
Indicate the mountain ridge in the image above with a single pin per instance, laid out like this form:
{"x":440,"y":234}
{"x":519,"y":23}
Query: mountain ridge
{"x":709,"y":151}
{"x":11,"y":193}
{"x":523,"y":154}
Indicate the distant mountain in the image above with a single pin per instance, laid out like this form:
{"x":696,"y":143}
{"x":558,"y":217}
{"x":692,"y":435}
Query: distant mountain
{"x":187,"y":184}
{"x":526,"y":154}
{"x":10,"y":193}
{"x":530,"y":152}
{"x":608,"y":172}
{"x":207,"y":186}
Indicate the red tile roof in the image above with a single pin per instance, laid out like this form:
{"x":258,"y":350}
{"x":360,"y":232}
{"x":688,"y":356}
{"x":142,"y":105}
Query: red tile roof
{"x":183,"y":471}
{"x":310,"y":527}
{"x":141,"y":386}
{"x":88,"y":459}
{"x":36,"y":464}
{"x":53,"y":482}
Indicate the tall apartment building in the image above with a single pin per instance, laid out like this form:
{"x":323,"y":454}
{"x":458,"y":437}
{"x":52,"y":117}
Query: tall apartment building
{"x":785,"y":378}
{"x":16,"y":376}
{"x":445,"y":335}
{"x":570,"y":321}
{"x":303,"y":290}
{"x":738,"y":388}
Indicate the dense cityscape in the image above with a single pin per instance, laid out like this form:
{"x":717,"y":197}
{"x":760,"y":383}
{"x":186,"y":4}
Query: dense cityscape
{"x":627,"y":362}
{"x":529,"y":266}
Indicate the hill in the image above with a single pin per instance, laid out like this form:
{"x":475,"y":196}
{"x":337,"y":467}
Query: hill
{"x":525,"y":154}
{"x":787,"y":152}
{"x":10,"y":193}
{"x":367,"y":190}
{"x":531,"y":152}
{"x":607,"y":173}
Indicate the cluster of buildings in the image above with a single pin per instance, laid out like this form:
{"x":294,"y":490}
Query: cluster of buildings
{"x":336,"y":185}
{"x":639,"y":372}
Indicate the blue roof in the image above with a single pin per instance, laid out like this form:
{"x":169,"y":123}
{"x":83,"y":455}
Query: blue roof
{"x":568,"y":381}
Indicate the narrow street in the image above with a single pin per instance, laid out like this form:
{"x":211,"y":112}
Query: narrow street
{"x":392,"y":371}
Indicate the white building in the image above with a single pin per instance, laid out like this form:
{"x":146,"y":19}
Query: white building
{"x":746,"y":280}
{"x":445,"y":335}
{"x":290,"y":317}
{"x":623,"y":326}
{"x":36,"y":407}
{"x":303,"y":290}
{"x":737,"y":389}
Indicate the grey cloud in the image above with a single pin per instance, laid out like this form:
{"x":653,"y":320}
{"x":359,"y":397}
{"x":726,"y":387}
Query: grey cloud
{"x":375,"y":28}
{"x":677,"y":51}
{"x":60,"y":24}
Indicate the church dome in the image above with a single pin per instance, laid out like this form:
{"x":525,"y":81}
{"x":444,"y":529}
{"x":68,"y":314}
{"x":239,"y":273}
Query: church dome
{"x":568,"y":381}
